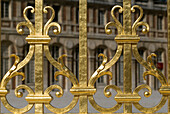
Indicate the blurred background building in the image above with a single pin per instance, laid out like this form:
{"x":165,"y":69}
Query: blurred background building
{"x":67,"y":15}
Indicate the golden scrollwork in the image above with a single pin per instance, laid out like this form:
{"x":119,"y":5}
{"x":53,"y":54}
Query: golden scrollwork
{"x":137,"y":23}
{"x":126,"y":39}
{"x":59,"y":94}
{"x":107,"y":94}
{"x":64,"y":71}
{"x":27,"y":23}
{"x":50,"y":23}
{"x":12,"y":73}
{"x":152,"y":70}
{"x":47,"y":26}
{"x":101,"y":71}
{"x":116,"y":23}
{"x":149,"y":65}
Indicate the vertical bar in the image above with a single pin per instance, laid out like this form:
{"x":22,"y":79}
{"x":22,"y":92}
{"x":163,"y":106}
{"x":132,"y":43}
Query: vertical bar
{"x":127,"y":75}
{"x":39,"y":17}
{"x":39,"y":108}
{"x":83,"y":108}
{"x":168,"y":11}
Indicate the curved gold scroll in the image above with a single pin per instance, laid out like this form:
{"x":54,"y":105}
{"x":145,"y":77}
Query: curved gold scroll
{"x":50,"y":23}
{"x":152,"y":70}
{"x":101,"y":71}
{"x":59,"y":94}
{"x":64,"y":71}
{"x":116,"y":23}
{"x":18,"y":94}
{"x":12,"y":73}
{"x":27,"y":23}
{"x":137,"y":23}
{"x":107,"y":94}
{"x":105,"y":66}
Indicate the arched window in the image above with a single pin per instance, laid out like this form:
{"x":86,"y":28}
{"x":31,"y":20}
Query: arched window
{"x":7,"y":48}
{"x":5,"y":9}
{"x":6,"y":51}
{"x":55,"y":55}
{"x":140,"y":68}
{"x":101,"y":17}
{"x":56,"y":51}
{"x":159,"y":63}
{"x":76,"y":61}
{"x":57,"y":9}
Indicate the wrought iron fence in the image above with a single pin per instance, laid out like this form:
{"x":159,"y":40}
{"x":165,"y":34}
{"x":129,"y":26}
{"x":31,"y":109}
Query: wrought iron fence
{"x":83,"y":90}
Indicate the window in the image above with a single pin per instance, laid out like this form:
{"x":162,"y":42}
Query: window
{"x":158,"y":61}
{"x":101,"y":17}
{"x":77,"y":15}
{"x":55,"y":55}
{"x":29,"y":67}
{"x":121,"y":70}
{"x":56,"y":9}
{"x":159,"y":22}
{"x":29,"y":14}
{"x":5,"y":53}
{"x":5,"y":9}
{"x":75,"y":62}
{"x":7,"y":48}
{"x":140,"y":68}
{"x":99,"y":61}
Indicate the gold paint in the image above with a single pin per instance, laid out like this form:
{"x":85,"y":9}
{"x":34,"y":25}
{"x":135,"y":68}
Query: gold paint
{"x":83,"y":100}
{"x":126,"y":39}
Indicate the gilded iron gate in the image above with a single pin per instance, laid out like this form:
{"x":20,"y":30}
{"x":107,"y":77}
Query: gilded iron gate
{"x":83,"y":90}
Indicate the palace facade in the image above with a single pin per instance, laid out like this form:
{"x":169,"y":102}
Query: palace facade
{"x":67,"y":15}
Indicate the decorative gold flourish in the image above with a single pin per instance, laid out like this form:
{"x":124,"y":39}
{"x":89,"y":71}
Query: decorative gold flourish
{"x":49,"y":24}
{"x":27,"y":23}
{"x":116,"y":23}
{"x":105,"y":66}
{"x":97,"y":74}
{"x":152,"y":70}
{"x":147,"y":94}
{"x":149,"y":65}
{"x":107,"y":94}
{"x":137,"y":23}
{"x":31,"y":27}
{"x":63,"y":70}
{"x":18,"y":94}
{"x":101,"y":71}
{"x":12,"y":73}
{"x":63,"y":110}
{"x":59,"y":94}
